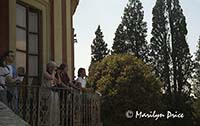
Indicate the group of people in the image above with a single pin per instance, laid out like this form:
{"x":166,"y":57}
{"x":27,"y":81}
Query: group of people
{"x":56,"y":76}
{"x":53,"y":76}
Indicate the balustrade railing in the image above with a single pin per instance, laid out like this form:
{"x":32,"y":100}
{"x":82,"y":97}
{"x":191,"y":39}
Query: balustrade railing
{"x":68,"y":106}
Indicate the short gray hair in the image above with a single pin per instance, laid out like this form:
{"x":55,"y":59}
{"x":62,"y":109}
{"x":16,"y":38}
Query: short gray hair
{"x":51,"y":64}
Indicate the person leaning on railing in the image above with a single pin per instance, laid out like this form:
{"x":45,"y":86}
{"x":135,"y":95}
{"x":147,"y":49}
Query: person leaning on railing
{"x":50,"y":83}
{"x":62,"y":75}
{"x":11,"y":80}
{"x":81,"y":81}
{"x":65,"y":80}
{"x":4,"y":72}
{"x":49,"y":79}
{"x":5,"y":78}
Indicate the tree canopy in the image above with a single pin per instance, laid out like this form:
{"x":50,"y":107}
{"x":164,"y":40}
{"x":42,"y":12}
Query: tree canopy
{"x":131,"y":33}
{"x":98,"y":48}
{"x":197,"y":71}
{"x":125,"y":83}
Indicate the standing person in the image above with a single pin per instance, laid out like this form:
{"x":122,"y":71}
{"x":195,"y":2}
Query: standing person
{"x":14,"y":91}
{"x":52,"y":97}
{"x":81,"y":80}
{"x":84,"y":92}
{"x":81,"y":77}
{"x":65,"y":92}
{"x":64,"y":75}
{"x":9,"y":59}
{"x":4,"y":72}
{"x":20,"y":73}
{"x":49,"y":75}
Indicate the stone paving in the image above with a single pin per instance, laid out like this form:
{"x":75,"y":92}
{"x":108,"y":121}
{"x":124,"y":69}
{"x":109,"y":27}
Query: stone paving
{"x":9,"y":118}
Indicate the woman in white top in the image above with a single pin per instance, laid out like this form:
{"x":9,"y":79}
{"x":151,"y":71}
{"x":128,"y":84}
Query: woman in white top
{"x":82,"y":81}
{"x":81,"y":77}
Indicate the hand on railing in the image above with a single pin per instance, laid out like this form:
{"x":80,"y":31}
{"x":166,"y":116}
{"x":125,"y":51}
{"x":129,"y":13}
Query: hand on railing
{"x":98,"y":93}
{"x":10,"y":80}
{"x":88,"y":90}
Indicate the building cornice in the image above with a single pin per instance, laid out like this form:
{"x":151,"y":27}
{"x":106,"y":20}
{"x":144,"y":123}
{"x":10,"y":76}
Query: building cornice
{"x":74,"y":5}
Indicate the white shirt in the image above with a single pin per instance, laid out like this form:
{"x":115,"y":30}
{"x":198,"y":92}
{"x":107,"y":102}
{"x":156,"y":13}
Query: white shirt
{"x":10,"y":70}
{"x":3,"y":73}
{"x":82,"y":81}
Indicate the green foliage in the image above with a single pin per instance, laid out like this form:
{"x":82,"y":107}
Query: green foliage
{"x":119,"y":45}
{"x":170,"y":53}
{"x":198,"y":51}
{"x":99,"y":47}
{"x":125,"y":83}
{"x":180,"y":54}
{"x":196,"y":113}
{"x":171,"y":58}
{"x":131,"y":33}
{"x":197,"y":71}
{"x":159,"y":45}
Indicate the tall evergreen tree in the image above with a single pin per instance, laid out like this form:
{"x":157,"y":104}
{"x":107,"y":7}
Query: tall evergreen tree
{"x":181,"y":57}
{"x":197,"y":71}
{"x":170,"y":53}
{"x":135,"y":29}
{"x":159,"y":44}
{"x":99,"y":47}
{"x":171,"y":56}
{"x":119,"y":45}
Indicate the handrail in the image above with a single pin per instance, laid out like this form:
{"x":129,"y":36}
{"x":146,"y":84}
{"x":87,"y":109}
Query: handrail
{"x":38,"y":105}
{"x":36,"y":86}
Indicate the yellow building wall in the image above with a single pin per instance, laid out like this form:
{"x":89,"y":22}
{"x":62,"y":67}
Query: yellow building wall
{"x":58,"y":31}
{"x":44,"y":7}
{"x":69,"y":36}
{"x":12,"y":25}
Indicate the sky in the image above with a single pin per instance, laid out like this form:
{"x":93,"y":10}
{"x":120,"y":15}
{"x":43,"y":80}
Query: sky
{"x":107,"y":13}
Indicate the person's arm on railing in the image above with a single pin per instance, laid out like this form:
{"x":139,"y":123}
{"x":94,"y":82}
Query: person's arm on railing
{"x":10,"y":80}
{"x":51,"y":78}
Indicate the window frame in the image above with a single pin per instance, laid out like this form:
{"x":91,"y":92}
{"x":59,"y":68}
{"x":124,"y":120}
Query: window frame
{"x":31,"y":9}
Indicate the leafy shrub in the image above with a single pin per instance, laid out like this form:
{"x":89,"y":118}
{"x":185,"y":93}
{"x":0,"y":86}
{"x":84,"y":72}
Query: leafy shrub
{"x":126,"y":83}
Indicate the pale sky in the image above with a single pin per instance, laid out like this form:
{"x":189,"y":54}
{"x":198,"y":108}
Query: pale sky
{"x":108,"y":13}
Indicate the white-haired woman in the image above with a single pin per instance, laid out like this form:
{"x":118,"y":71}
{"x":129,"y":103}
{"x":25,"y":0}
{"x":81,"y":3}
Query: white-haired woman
{"x":50,"y":82}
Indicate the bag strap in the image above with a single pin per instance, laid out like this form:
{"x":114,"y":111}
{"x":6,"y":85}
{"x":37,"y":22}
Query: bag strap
{"x":4,"y":75}
{"x":3,"y":86}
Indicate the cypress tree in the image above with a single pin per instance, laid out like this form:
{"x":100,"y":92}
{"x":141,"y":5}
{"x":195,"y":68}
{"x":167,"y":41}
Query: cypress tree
{"x":159,"y":44}
{"x":170,"y":53}
{"x":171,"y":57}
{"x":180,"y":54}
{"x":98,"y":48}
